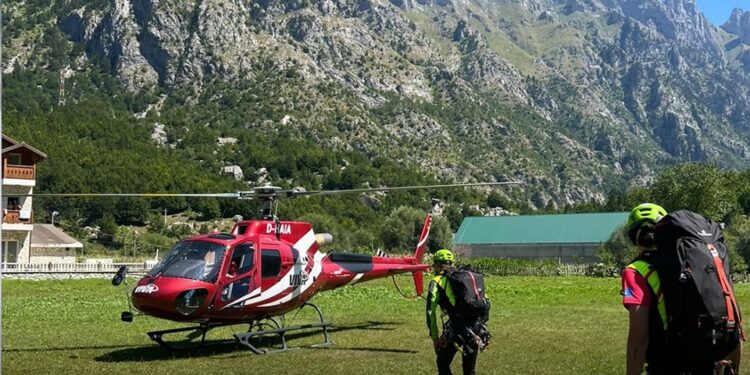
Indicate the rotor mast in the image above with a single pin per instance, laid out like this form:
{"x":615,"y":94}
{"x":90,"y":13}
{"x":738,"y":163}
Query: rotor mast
{"x":267,"y":195}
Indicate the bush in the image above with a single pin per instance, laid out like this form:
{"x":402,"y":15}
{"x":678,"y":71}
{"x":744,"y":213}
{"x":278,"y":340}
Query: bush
{"x":617,"y":252}
{"x":522,"y":267}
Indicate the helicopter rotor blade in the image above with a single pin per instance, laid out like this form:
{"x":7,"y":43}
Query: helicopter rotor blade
{"x":397,"y":188}
{"x":267,"y":192}
{"x":138,"y":195}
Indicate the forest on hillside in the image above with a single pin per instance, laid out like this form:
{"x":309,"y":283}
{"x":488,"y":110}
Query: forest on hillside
{"x":99,"y":139}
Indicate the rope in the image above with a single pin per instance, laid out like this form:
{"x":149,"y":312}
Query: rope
{"x":402,"y":293}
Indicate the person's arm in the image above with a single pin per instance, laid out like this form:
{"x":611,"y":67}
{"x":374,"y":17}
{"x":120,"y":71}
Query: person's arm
{"x":431,"y":315}
{"x":637,"y":339}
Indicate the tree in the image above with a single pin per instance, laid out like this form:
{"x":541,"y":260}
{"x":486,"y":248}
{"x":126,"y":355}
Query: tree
{"x":132,"y":211}
{"x":617,"y":251}
{"x":107,"y":225}
{"x":697,"y":187}
{"x":402,"y":228}
{"x":441,"y":235}
{"x":737,"y":238}
{"x":495,"y":199}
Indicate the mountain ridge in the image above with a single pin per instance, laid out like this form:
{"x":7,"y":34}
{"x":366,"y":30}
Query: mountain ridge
{"x":575,"y":97}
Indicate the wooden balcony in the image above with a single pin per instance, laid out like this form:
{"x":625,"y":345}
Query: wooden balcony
{"x":14,"y":217}
{"x":23,"y":172}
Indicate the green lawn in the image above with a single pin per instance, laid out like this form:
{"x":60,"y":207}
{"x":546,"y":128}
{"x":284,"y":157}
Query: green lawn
{"x":541,"y":325}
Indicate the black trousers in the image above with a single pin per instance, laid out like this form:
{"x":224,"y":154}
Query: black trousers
{"x":445,"y":357}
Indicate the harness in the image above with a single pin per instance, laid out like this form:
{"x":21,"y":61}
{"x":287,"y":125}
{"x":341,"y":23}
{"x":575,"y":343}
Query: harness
{"x":652,"y":278}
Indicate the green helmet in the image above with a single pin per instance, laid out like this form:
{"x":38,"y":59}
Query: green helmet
{"x":645,"y":213}
{"x":443,"y":256}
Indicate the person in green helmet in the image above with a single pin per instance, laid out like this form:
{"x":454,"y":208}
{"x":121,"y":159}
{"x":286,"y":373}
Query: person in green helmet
{"x":458,"y":334}
{"x":661,"y":331}
{"x":644,"y":300}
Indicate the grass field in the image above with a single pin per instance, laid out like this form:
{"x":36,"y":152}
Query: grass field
{"x":541,"y":325}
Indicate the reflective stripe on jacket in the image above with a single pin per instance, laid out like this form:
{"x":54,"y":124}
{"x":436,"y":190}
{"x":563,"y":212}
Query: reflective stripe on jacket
{"x":652,"y":278}
{"x":433,"y":301}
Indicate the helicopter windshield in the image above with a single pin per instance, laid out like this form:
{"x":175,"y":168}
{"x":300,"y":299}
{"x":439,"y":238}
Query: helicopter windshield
{"x":196,"y":260}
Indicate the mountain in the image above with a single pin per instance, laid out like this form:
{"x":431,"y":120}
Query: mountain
{"x":574,"y":97}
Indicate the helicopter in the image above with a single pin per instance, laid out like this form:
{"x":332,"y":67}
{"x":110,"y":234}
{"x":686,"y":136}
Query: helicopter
{"x":256,"y":273}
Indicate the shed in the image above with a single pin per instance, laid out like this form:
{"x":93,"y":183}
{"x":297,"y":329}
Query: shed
{"x":50,"y":244}
{"x":566,"y":237}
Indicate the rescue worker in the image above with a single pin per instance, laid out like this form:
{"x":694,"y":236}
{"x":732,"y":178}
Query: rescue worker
{"x":643,"y":298}
{"x":455,"y":334}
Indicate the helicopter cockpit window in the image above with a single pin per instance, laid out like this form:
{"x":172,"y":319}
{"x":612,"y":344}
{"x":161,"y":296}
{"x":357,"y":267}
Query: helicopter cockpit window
{"x":240,"y":229}
{"x":196,"y":260}
{"x":242,"y":258}
{"x":270,"y":263}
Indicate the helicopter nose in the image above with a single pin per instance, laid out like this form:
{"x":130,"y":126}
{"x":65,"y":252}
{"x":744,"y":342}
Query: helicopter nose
{"x":190,"y":301}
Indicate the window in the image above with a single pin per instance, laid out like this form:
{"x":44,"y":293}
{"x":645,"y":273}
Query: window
{"x":196,"y":260}
{"x":10,"y":252}
{"x":270,"y":263}
{"x":240,"y":230}
{"x":13,"y":204}
{"x":14,"y":159}
{"x":236,"y":290}
{"x":243,"y":258}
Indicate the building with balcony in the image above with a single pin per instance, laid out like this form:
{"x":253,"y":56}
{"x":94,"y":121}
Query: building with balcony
{"x":19,"y":179}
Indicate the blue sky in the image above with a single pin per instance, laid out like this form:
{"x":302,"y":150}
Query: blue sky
{"x":718,"y":11}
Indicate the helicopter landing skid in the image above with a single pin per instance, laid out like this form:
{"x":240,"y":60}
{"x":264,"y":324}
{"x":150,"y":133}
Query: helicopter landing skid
{"x":265,"y":329}
{"x":202,"y":329}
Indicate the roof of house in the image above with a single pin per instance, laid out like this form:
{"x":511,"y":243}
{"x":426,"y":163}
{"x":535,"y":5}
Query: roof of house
{"x":12,"y":144}
{"x":47,"y":235}
{"x":539,"y":229}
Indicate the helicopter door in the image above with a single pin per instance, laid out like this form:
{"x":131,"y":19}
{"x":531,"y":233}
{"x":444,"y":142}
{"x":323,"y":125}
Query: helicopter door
{"x":240,"y":277}
{"x":270,"y":267}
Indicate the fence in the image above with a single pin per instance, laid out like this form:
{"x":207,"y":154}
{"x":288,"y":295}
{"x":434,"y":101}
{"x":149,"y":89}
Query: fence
{"x":19,"y":268}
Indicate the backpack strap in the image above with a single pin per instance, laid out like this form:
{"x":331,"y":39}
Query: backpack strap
{"x":652,"y":277}
{"x":729,"y":300}
{"x":474,"y":284}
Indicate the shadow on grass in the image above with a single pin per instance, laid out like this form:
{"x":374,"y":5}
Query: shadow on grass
{"x":219,"y":347}
{"x":62,"y":349}
{"x":365,"y":349}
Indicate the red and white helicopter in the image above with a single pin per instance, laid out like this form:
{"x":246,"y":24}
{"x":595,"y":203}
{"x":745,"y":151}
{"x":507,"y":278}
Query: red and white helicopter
{"x":259,"y":271}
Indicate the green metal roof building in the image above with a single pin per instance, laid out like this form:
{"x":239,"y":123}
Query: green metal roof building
{"x":569,"y":237}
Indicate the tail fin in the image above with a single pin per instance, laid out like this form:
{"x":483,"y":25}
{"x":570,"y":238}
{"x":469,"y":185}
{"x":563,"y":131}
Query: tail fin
{"x":418,"y":282}
{"x":419,"y":253}
{"x":422,"y":243}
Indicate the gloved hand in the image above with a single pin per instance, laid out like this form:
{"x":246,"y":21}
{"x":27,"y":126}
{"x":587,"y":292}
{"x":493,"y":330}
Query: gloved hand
{"x":440,"y":343}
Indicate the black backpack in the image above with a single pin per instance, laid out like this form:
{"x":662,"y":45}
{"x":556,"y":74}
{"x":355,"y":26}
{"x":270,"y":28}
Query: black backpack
{"x":468,"y":289}
{"x":704,"y":321}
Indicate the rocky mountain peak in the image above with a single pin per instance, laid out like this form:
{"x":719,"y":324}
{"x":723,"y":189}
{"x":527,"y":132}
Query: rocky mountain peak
{"x":739,"y":24}
{"x":562,"y":90}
